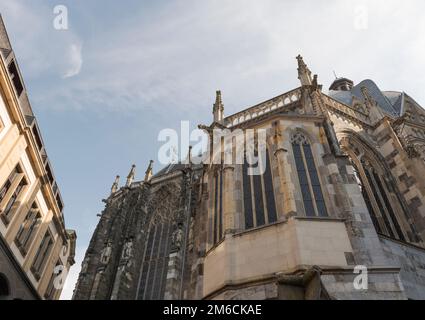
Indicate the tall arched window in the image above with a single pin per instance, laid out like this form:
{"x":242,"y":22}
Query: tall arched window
{"x":314,"y":203}
{"x":377,"y":197}
{"x":218,"y":206}
{"x":258,"y":194}
{"x":384,"y":201}
{"x":366,"y":198}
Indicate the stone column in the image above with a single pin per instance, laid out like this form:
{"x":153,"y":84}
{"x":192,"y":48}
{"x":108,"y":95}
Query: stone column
{"x":286,"y":185}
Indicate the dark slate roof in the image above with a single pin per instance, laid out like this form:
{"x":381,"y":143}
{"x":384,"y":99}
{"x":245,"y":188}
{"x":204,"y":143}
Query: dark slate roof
{"x":345,"y":97}
{"x":389,"y":101}
{"x":395,"y":99}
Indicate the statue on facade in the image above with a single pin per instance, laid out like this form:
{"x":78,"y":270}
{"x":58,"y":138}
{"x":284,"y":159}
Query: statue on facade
{"x":106,"y":252}
{"x":177,"y":237}
{"x":128,"y":249}
{"x":84,"y":265}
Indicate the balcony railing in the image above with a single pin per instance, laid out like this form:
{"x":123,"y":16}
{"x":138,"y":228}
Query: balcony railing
{"x":263,"y":108}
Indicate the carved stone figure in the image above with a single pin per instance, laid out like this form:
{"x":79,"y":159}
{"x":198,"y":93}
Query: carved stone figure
{"x":106,"y":253}
{"x":84,"y":265}
{"x":128,"y":249}
{"x":177,"y":237}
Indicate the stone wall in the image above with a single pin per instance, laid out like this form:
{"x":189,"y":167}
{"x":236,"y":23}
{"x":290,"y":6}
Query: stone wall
{"x":383,"y":284}
{"x":411,"y":260}
{"x":282,"y":247}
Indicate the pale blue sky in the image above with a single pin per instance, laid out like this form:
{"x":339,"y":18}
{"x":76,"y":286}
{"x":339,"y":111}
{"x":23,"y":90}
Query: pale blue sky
{"x":124,"y":70}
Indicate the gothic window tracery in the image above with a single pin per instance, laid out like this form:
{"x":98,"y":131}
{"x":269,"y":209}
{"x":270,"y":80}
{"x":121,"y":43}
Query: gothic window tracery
{"x":314,"y":203}
{"x":161,"y":239}
{"x":387,"y":214}
{"x":383,"y":209}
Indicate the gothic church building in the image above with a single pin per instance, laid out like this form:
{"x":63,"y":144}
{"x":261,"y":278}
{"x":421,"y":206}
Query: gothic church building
{"x":342,"y":188}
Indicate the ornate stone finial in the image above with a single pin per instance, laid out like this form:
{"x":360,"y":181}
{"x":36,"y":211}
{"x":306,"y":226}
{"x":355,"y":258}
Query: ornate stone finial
{"x":115,"y":185}
{"x":149,"y":172}
{"x":412,"y":151}
{"x":131,"y":175}
{"x":218,"y":108}
{"x":304,"y":73}
{"x":105,"y":254}
{"x":315,"y":83}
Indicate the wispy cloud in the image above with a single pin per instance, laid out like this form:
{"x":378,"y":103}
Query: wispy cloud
{"x":75,"y":61}
{"x":174,"y":56}
{"x":43,"y":52}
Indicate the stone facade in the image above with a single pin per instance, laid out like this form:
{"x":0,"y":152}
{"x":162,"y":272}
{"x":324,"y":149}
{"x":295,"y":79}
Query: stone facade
{"x":339,"y":190}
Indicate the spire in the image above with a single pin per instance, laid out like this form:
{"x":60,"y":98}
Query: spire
{"x":115,"y":185}
{"x":130,"y":176}
{"x":304,"y":73}
{"x":218,"y":107}
{"x":149,"y":170}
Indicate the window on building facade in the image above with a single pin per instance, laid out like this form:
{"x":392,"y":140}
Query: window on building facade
{"x":258,"y":195}
{"x":379,"y":204}
{"x":16,"y":80}
{"x":218,"y":206}
{"x":51,"y":290}
{"x":28,"y":229}
{"x":366,"y":198}
{"x":155,"y":262}
{"x":314,"y":203}
{"x":10,"y":192}
{"x":4,"y":287}
{"x":247,"y":196}
{"x":42,"y":255}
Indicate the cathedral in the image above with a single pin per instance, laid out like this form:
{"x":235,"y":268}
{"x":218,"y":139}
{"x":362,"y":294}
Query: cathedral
{"x":341,"y":195}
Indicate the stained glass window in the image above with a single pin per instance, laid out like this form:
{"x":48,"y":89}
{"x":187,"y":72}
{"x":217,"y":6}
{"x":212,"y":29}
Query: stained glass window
{"x":311,"y":190}
{"x":263,"y":195}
